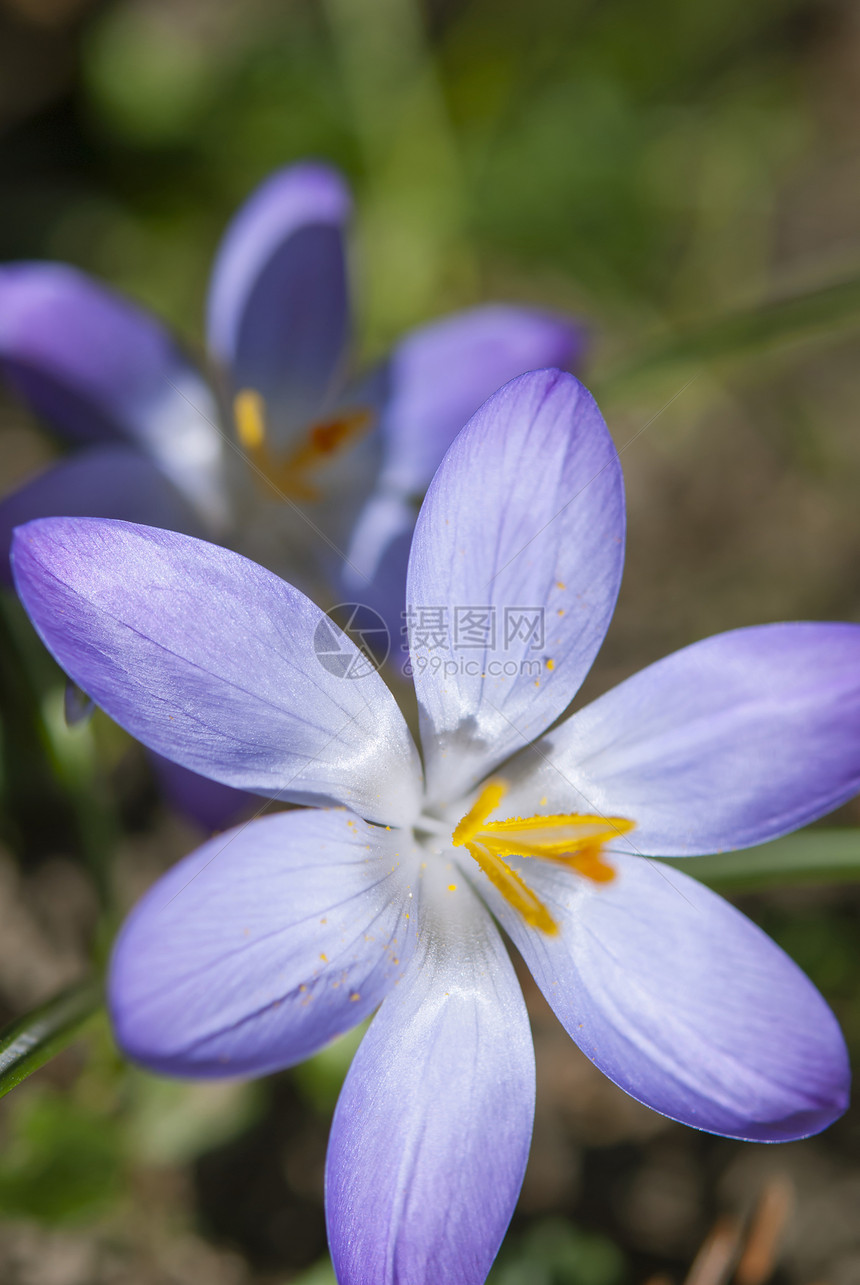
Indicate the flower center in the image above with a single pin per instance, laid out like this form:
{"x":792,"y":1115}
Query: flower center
{"x":574,"y":840}
{"x":291,"y":471}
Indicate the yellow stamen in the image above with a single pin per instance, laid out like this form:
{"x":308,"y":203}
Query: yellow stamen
{"x":514,"y":889}
{"x":575,"y":840}
{"x":487,"y":801}
{"x":249,"y":411}
{"x":289,"y":473}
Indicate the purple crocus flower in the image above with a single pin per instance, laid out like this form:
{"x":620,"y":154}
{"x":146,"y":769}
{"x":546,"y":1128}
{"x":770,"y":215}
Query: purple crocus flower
{"x":152,"y":435}
{"x":266,"y":942}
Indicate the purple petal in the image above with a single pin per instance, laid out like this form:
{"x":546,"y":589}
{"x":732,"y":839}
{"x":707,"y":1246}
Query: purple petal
{"x":431,"y":1133}
{"x":733,"y":741}
{"x":374,"y":571}
{"x":262,"y":946}
{"x":217,"y":664}
{"x":208,"y":803}
{"x":523,"y":529}
{"x":440,"y":374}
{"x":278,"y":306}
{"x":432,"y":384}
{"x":104,"y":482}
{"x":683,"y":1002}
{"x":95,"y":367}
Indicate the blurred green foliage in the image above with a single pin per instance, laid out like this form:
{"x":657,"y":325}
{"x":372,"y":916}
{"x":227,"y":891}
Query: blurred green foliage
{"x":63,"y":1160}
{"x":629,"y":155}
{"x":554,"y":1252}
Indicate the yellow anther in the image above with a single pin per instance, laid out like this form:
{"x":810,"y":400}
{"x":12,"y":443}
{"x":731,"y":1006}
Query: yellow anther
{"x":515,"y":891}
{"x":288,"y":473}
{"x":487,"y":801}
{"x":249,"y":411}
{"x":557,"y":838}
{"x":573,"y":839}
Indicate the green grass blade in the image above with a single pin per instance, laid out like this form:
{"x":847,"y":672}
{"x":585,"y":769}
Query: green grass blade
{"x":811,"y":856}
{"x":782,"y":321}
{"x":31,"y":1041}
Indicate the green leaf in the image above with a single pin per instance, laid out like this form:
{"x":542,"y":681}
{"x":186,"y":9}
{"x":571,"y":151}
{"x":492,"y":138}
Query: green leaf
{"x":811,"y":856}
{"x":30,"y":1041}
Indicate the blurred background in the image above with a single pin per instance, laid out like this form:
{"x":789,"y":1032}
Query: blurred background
{"x":686,"y":179}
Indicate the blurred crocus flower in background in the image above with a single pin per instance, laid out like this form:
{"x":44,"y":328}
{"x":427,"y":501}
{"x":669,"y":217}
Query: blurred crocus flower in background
{"x":341,"y":459}
{"x":282,"y":453}
{"x":270,"y":940}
